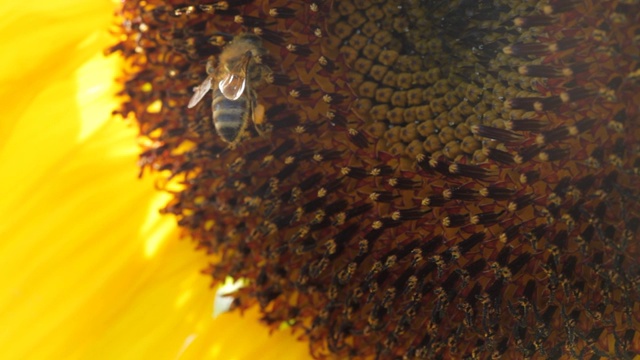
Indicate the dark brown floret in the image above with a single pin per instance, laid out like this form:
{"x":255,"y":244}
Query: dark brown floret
{"x":439,"y":179}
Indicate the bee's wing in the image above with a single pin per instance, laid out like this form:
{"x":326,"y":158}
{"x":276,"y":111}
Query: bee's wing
{"x":232,"y":86}
{"x":200,"y":92}
{"x":234,"y":82}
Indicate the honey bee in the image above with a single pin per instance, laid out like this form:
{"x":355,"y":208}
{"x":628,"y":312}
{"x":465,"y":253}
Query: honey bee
{"x":234,"y":100}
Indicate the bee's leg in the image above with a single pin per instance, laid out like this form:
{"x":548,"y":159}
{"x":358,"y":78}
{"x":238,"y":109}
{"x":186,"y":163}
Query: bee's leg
{"x":257,"y":116}
{"x":211,"y":66}
{"x":258,"y":119}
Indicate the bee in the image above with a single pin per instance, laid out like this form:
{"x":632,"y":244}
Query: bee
{"x":234,"y":103}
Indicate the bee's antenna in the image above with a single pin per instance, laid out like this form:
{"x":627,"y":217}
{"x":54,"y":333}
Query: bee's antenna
{"x":228,"y":37}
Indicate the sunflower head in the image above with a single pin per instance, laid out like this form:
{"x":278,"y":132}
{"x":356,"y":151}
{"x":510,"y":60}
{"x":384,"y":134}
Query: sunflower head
{"x":432,"y":179}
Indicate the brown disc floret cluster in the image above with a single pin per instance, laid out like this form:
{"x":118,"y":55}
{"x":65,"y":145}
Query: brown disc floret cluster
{"x":437,"y":179}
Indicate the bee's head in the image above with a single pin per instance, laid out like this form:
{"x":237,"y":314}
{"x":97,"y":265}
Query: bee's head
{"x":252,"y":39}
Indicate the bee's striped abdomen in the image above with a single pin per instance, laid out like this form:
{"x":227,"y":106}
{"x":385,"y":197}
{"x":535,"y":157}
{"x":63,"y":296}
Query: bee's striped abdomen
{"x":229,"y":116}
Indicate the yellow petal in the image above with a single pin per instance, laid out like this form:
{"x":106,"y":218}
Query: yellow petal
{"x":89,"y":269}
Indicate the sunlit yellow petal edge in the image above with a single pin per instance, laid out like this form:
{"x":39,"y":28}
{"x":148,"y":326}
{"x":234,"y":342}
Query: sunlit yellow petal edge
{"x":78,"y":279}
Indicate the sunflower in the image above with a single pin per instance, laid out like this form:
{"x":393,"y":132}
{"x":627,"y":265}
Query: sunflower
{"x":89,"y":268}
{"x":435,"y":179}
